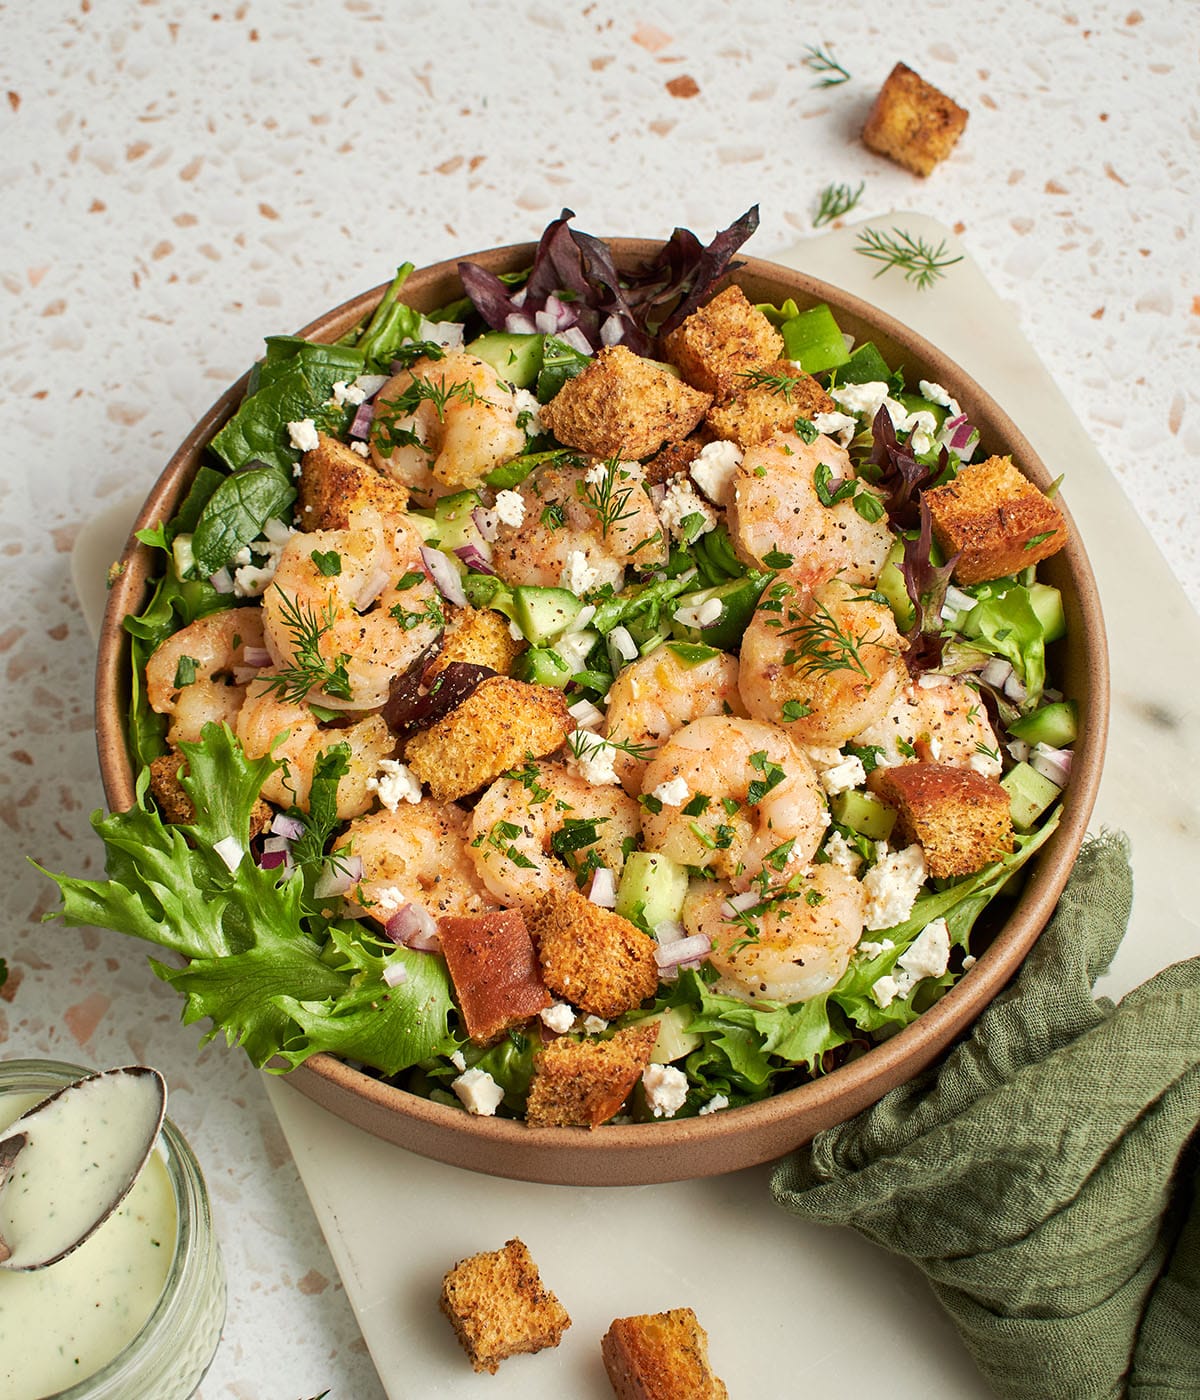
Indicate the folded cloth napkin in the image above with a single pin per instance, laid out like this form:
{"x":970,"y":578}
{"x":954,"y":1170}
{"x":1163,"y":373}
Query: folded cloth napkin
{"x":1044,"y":1176}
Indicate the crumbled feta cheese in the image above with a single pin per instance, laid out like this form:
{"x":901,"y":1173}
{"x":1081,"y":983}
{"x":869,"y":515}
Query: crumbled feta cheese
{"x":458,"y":1060}
{"x":361,"y":448}
{"x":251,"y":580}
{"x":840,"y":426}
{"x":344,"y":393}
{"x":714,"y":468}
{"x":593,"y":1025}
{"x":885,"y":990}
{"x":826,"y":756}
{"x":572,"y":648}
{"x":370,"y":384}
{"x":929,"y":953}
{"x":388,"y":901}
{"x":585,"y":714}
{"x":515,"y":632}
{"x":682,"y":502}
{"x":892,"y":886}
{"x":969,"y":962}
{"x":526,"y":403}
{"x":448,"y":333}
{"x":865,"y":400}
{"x":478,"y":1092}
{"x":592,"y":758}
{"x":673,"y":793}
{"x":717,"y":1102}
{"x":303,"y":435}
{"x":510,"y":508}
{"x":666,"y":1089}
{"x":842,"y":855}
{"x":394,"y":784}
{"x":873,"y":950}
{"x":936,"y":394}
{"x":702,"y":615}
{"x":559,"y":1017}
{"x":577,"y":574}
{"x":843,"y":776}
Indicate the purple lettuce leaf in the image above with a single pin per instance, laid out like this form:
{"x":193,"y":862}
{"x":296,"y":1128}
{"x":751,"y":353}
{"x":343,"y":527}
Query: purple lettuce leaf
{"x":926,"y":584}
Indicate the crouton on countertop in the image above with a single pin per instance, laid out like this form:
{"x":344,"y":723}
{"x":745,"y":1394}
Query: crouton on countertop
{"x":724,"y":339}
{"x":334,"y":480}
{"x":590,"y":956}
{"x":960,"y":819}
{"x":995,"y":520}
{"x":496,"y":728}
{"x":491,"y":961}
{"x":912,"y":122}
{"x":757,"y":409}
{"x":623,"y":406}
{"x":660,"y":1356}
{"x":583,"y":1083}
{"x":499,"y":1306}
{"x":479,"y":636}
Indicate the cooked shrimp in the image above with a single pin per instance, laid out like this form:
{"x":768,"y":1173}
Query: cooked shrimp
{"x":825,"y":662}
{"x":443,"y":424}
{"x":794,"y":944}
{"x":265,"y":718}
{"x":194,"y":675}
{"x":600,"y":513}
{"x":348,"y":609}
{"x":775,"y":507}
{"x":657,"y":695}
{"x":937,"y":719}
{"x":738,"y":794}
{"x":416,"y":855}
{"x":516,"y":819}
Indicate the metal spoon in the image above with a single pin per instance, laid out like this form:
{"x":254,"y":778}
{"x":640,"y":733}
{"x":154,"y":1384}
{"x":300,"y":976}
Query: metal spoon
{"x":69,"y":1161}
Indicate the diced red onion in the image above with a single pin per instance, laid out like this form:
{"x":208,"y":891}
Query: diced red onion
{"x":1014,"y":688}
{"x":657,"y":494}
{"x":272,"y":860}
{"x":338,"y":876}
{"x":621,"y":638}
{"x":956,"y":602}
{"x":276,"y":843}
{"x":256,"y":656}
{"x":604,"y":888}
{"x":961,"y":432}
{"x":229,"y":848}
{"x":413,"y":927}
{"x":222,"y":581}
{"x":518,"y":297}
{"x":371,"y":589}
{"x":576,"y":339}
{"x":1054,"y":764}
{"x":517,"y":323}
{"x":444,"y":575}
{"x":585,"y":714}
{"x":474,"y":557}
{"x":361,"y":426}
{"x":739,"y":903}
{"x":487,"y":522}
{"x":291,"y":827}
{"x":612,"y":332}
{"x":683,"y":950}
{"x":394,"y":974}
{"x":544,"y":322}
{"x":996,"y":672}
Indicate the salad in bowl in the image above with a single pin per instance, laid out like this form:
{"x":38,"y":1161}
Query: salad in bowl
{"x":584,"y":687}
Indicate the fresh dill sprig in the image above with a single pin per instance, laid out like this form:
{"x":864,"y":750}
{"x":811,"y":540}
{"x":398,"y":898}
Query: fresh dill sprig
{"x":385,"y":432}
{"x":920,"y":261}
{"x":776,"y":383}
{"x":821,"y":646}
{"x":818,"y":61}
{"x":606,"y":488}
{"x":835,"y":201}
{"x":310,"y":669}
{"x":583,"y":744}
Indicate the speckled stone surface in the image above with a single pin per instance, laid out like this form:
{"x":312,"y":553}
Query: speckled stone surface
{"x":178,"y":181}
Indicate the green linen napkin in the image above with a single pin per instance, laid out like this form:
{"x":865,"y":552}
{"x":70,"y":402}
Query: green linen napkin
{"x":1044,"y":1176}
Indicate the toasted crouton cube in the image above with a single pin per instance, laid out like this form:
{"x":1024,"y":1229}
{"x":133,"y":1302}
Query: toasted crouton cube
{"x":995,"y":520}
{"x":960,"y":819}
{"x":768,"y":401}
{"x":623,"y":405}
{"x":583,"y":1083}
{"x":334,"y":480}
{"x":674,"y":458}
{"x":495,"y":971}
{"x":660,"y":1356}
{"x":499,"y":1306}
{"x":176,"y":805}
{"x":496,"y":728}
{"x":590,"y":956}
{"x":724,"y":339}
{"x":479,"y":636}
{"x":912,"y":122}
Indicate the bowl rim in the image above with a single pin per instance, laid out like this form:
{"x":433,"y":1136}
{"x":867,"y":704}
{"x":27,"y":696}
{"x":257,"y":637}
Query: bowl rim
{"x":718,"y":1142}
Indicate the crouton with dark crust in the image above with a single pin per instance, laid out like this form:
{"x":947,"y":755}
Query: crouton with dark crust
{"x":960,"y":819}
{"x":768,"y":401}
{"x":660,"y":1356}
{"x":497,"y":980}
{"x":583,"y":1083}
{"x":912,"y":122}
{"x":499,"y":1306}
{"x":334,"y":480}
{"x":623,"y":406}
{"x":995,"y":520}
{"x":496,"y":728}
{"x":676,"y":457}
{"x":590,"y":956}
{"x":723,"y":340}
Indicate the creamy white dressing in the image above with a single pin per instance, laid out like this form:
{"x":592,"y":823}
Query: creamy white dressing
{"x":61,"y":1324}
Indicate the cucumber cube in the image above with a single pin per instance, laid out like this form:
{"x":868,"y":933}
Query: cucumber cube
{"x":1029,"y":795}
{"x":814,"y":340}
{"x":651,"y":890}
{"x":1047,"y":604}
{"x":543,"y":613}
{"x":673,"y":1041}
{"x":541,"y":666}
{"x":864,"y":813}
{"x":517,"y":359}
{"x":1056,"y":725}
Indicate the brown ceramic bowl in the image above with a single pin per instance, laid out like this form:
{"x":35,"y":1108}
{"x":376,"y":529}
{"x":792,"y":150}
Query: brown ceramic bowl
{"x":742,"y":1137}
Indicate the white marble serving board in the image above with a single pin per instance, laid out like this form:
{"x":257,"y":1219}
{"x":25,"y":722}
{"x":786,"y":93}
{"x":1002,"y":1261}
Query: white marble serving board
{"x":789,"y":1308}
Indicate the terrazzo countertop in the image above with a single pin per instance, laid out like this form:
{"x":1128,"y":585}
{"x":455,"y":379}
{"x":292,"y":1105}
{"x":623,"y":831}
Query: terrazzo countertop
{"x":179,"y":181}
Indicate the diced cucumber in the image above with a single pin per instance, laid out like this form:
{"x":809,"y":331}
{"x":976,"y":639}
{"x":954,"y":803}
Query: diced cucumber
{"x":814,"y":340}
{"x":517,"y":359}
{"x":891,"y":584}
{"x":543,"y":613}
{"x":865,"y":366}
{"x":652,"y":889}
{"x":1056,"y":725}
{"x":454,"y":524}
{"x":864,"y":813}
{"x":1029,"y":795}
{"x":674,"y":1042}
{"x":738,"y":599}
{"x":542,"y":666}
{"x":1047,"y":603}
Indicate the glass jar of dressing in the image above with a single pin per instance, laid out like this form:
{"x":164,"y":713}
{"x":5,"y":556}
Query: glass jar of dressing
{"x":135,"y":1313}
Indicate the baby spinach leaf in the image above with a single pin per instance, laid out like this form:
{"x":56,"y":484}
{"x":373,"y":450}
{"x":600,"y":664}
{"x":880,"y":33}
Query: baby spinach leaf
{"x":237,"y":511}
{"x":258,"y":430}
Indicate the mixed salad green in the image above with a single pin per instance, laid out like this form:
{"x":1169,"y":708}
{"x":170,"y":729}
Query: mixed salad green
{"x":266,"y":944}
